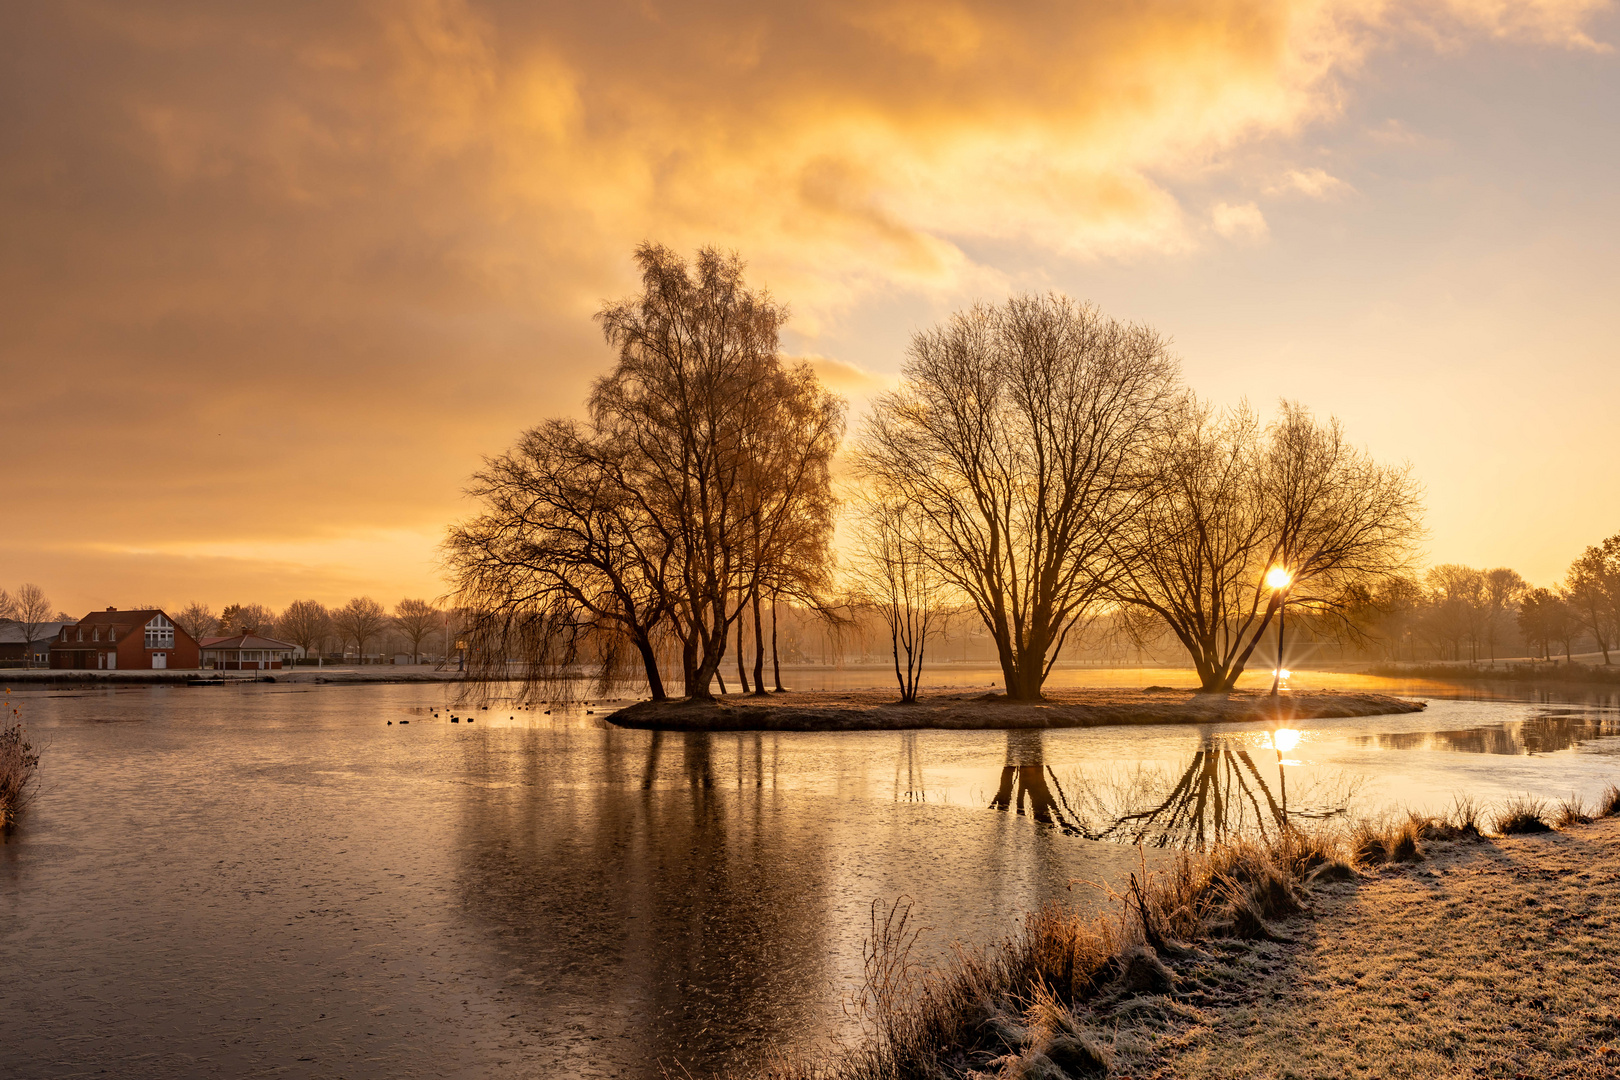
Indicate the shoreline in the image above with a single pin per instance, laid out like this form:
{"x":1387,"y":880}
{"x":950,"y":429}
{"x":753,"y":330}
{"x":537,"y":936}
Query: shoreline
{"x":877,"y":710}
{"x":75,"y":679}
{"x":1414,"y":946}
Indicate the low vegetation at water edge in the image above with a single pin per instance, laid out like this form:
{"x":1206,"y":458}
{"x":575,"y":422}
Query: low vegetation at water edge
{"x":19,"y":762}
{"x":1077,"y":996}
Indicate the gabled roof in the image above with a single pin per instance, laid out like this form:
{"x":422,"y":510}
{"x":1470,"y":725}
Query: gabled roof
{"x":11,"y":631}
{"x":127,"y":623}
{"x":246,"y":641}
{"x":121,"y":618}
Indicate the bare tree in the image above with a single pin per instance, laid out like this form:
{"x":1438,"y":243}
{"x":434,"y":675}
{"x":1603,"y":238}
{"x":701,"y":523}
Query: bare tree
{"x":31,"y":609}
{"x":1455,"y":612}
{"x":306,"y":624}
{"x":1500,"y":593}
{"x":1021,"y":433}
{"x":360,"y":620}
{"x":791,"y":505}
{"x":697,"y":375}
{"x":700,"y":484}
{"x":416,"y":619}
{"x":894,"y":575}
{"x":197,"y":619}
{"x":246,"y":619}
{"x":562,"y":552}
{"x":1593,"y":592}
{"x":1244,"y":524}
{"x":1542,"y":619}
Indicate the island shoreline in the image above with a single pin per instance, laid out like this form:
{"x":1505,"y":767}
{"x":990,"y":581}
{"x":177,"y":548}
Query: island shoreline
{"x":875,"y":710}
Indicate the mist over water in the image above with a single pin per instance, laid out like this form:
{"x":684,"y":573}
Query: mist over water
{"x":223,"y":881}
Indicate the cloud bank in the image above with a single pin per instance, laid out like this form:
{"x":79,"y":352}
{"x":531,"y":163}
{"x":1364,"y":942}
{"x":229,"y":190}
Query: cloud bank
{"x":277,"y":274}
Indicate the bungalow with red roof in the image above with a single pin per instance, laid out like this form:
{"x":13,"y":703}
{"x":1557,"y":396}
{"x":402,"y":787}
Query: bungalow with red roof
{"x":125,"y":640}
{"x":245,"y":652}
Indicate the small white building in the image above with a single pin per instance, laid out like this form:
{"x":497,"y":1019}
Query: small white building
{"x":246,"y":652}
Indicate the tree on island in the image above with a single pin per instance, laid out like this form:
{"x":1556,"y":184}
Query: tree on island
{"x":894,"y":575}
{"x":1022,"y":434}
{"x":1232,"y":502}
{"x":704,"y":466}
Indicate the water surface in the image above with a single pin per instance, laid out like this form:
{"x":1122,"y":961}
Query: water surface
{"x":274,"y":879}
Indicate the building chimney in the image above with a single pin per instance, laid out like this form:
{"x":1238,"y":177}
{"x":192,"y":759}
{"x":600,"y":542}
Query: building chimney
{"x":112,"y":609}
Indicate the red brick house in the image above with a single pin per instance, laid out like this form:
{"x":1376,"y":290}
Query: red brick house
{"x":124,"y":640}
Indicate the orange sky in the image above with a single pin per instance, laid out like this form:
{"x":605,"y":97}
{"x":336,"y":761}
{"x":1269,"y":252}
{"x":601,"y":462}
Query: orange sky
{"x":273,"y":277}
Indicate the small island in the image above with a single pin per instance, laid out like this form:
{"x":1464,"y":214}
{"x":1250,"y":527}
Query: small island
{"x":877,"y":710}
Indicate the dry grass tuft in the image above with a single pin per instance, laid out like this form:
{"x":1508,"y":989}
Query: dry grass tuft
{"x":19,"y":764}
{"x":1571,"y":811}
{"x":1609,"y":802}
{"x":1373,"y":843}
{"x":1522,"y":814}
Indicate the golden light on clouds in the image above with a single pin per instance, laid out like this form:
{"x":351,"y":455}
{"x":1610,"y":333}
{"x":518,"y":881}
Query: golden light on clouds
{"x":324,"y":255}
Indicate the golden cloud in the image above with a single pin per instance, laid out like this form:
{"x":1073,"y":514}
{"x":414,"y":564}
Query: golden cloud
{"x":275,"y":272}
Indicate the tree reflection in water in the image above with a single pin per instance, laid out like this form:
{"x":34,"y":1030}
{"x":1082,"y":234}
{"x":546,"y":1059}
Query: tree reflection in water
{"x":674,"y":911}
{"x":1548,"y":733}
{"x":1027,"y":779}
{"x":1221,"y":792}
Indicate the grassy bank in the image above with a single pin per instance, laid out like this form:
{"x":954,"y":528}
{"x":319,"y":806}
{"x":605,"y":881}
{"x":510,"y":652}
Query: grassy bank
{"x":877,"y":710}
{"x":1323,"y":934}
{"x":1600,"y":674}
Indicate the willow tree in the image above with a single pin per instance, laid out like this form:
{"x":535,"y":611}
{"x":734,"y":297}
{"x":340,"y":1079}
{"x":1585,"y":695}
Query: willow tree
{"x":561,"y":564}
{"x":1233,"y":502}
{"x":1022,"y":434}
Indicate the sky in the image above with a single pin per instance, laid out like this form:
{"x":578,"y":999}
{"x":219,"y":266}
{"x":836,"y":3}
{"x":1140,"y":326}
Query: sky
{"x":275,"y":277}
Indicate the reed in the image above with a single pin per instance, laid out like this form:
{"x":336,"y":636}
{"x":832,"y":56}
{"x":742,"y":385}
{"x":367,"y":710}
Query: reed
{"x":19,"y":765}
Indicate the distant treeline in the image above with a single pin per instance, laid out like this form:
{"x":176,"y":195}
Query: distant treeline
{"x":1458,"y":612}
{"x":361,"y":628}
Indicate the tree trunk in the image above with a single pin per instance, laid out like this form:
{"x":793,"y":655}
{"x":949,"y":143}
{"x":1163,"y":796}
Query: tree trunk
{"x":649,"y":660}
{"x":759,"y":648}
{"x":776,"y":658}
{"x":742,"y":672}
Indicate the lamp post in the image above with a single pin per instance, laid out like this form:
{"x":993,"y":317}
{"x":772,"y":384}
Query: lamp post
{"x":1278,"y":578}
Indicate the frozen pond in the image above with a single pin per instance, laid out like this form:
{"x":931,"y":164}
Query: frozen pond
{"x":271,"y":879}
